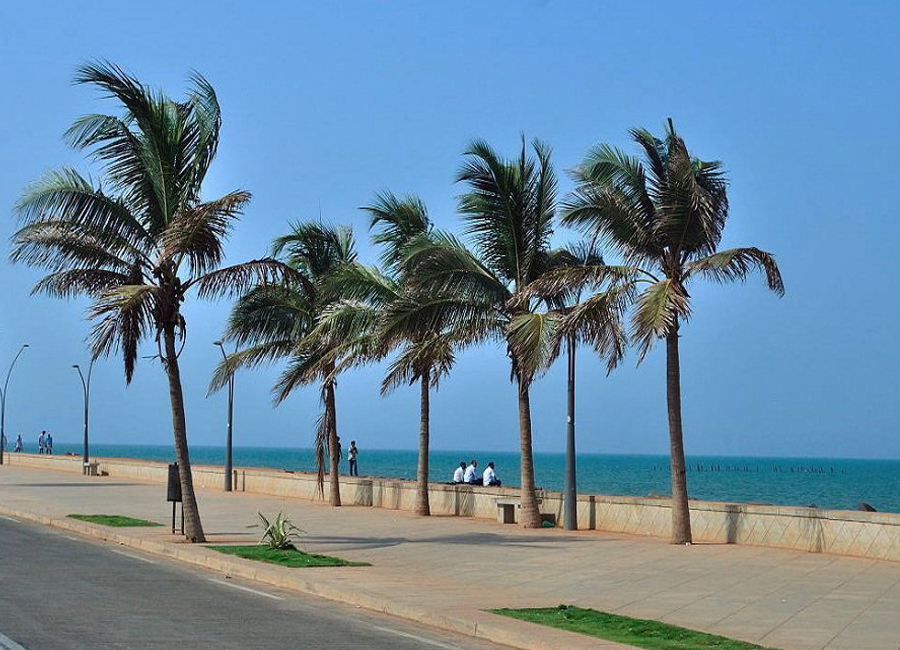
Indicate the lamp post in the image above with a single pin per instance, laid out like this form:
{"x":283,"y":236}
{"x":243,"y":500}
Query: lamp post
{"x":3,"y":394}
{"x":86,"y":387}
{"x":570,"y":494}
{"x":228,"y":469}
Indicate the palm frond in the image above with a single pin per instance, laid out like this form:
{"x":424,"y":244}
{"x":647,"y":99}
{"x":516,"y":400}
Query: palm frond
{"x":396,"y":222}
{"x":534,"y":342}
{"x":61,"y":245}
{"x":250,"y":357}
{"x":75,"y":282}
{"x":65,"y":197}
{"x":234,"y":280}
{"x":199,"y":232}
{"x":444,"y":266}
{"x":657,"y":311}
{"x":433,"y":356}
{"x":315,"y":249}
{"x":126,"y":314}
{"x":271,"y":312}
{"x":509,"y":207}
{"x":736,"y":264}
{"x":598,"y":321}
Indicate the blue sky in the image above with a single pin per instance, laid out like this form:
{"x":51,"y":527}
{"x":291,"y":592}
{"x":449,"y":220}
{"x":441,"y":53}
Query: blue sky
{"x":326,"y":103}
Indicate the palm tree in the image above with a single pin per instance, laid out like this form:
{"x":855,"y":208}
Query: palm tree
{"x":425,"y":356}
{"x":665,"y":216}
{"x":361,"y":318}
{"x":509,"y":208}
{"x":277,"y":321}
{"x":138,"y":242}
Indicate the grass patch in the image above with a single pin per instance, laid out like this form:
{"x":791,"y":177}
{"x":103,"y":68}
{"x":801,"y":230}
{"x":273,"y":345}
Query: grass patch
{"x":114,"y":520}
{"x":289,"y":557}
{"x":651,"y":635}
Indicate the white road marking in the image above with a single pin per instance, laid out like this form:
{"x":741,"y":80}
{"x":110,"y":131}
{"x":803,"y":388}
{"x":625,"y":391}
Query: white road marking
{"x":15,"y":521}
{"x":133,"y":557}
{"x":247,"y":589}
{"x":8,"y":644}
{"x":416,"y":637}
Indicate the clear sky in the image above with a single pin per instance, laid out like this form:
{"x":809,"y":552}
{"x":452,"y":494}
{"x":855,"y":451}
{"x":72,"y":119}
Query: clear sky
{"x":325,"y":103}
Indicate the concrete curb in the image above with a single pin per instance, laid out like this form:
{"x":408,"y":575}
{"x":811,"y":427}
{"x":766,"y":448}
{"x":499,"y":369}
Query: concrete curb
{"x":488,"y":627}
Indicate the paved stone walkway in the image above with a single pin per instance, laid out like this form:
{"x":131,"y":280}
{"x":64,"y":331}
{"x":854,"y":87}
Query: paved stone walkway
{"x":781,"y":599}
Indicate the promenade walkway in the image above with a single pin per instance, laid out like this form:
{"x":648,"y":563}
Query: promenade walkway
{"x":456,"y":568}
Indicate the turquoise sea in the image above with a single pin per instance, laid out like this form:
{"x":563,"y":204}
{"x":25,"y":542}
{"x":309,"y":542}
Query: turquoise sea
{"x":826,"y":483}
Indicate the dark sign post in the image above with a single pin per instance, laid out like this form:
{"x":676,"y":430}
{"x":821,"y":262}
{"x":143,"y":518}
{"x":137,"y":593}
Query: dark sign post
{"x":173,"y":493}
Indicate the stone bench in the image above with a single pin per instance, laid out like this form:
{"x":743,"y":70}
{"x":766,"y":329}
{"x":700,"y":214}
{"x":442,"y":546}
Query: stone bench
{"x":506,"y":509}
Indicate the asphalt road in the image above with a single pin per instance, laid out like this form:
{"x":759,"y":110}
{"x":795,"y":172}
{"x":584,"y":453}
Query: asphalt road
{"x":62,"y":592}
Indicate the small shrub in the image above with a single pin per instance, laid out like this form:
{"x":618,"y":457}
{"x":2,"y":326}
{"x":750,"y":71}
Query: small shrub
{"x":279,"y":533}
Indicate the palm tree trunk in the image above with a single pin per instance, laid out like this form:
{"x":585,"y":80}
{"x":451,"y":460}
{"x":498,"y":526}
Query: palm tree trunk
{"x":681,"y":514}
{"x":334,"y":497}
{"x":422,"y":506}
{"x":529,"y":513}
{"x":193,"y":529}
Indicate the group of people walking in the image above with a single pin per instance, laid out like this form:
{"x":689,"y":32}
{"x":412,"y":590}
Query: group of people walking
{"x":45,"y":443}
{"x":469,"y":474}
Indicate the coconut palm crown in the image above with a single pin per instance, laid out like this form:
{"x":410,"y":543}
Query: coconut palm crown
{"x":664,"y":214}
{"x":139,"y":239}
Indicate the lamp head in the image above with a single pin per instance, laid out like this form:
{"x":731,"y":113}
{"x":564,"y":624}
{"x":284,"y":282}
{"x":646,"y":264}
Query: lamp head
{"x":75,"y":365}
{"x":219,"y":343}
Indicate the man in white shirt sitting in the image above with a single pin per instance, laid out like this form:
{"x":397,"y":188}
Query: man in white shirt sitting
{"x":460,"y":473}
{"x":470,"y":476}
{"x":490,"y":478}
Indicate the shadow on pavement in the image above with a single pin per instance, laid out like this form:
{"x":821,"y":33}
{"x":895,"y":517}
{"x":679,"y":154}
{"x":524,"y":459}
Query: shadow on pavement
{"x":69,"y":485}
{"x":474,"y":539}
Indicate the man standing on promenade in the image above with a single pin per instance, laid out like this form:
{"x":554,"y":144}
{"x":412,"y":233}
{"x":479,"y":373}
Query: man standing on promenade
{"x":49,"y":443}
{"x":42,"y":440}
{"x":351,"y":454}
{"x":19,"y":444}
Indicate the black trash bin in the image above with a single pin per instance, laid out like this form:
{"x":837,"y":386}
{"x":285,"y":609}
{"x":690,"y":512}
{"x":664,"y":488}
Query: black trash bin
{"x":173,"y":493}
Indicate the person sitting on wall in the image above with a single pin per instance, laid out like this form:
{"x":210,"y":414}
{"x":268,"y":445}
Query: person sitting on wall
{"x":489,"y":479}
{"x":460,"y":473}
{"x":471,"y":476}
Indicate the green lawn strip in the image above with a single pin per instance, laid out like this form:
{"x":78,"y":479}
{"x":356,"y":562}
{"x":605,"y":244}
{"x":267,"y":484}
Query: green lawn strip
{"x":290,"y":557}
{"x":114,"y":520}
{"x":640,"y":633}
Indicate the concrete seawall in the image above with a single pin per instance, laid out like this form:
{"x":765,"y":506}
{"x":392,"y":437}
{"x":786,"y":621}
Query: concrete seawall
{"x":862,"y":534}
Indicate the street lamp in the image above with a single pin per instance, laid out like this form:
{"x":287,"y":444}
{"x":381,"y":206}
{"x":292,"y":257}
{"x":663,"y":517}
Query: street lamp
{"x":228,"y":470}
{"x":86,"y":387}
{"x":3,"y":394}
{"x":570,"y":492}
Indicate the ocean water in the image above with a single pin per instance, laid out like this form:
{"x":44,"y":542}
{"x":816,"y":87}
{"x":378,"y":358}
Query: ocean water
{"x":826,"y":483}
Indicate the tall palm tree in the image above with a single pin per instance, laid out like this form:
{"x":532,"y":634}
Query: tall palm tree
{"x":425,"y":356}
{"x":138,"y":242}
{"x":665,"y":215}
{"x":509,"y":209}
{"x":278,"y":321}
{"x":361,"y":318}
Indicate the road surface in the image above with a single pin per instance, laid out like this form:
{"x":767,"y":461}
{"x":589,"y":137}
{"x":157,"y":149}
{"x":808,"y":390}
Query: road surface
{"x":63,"y":592}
